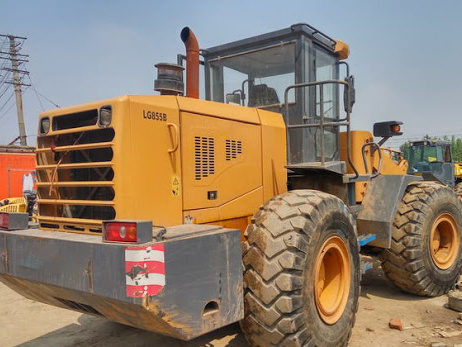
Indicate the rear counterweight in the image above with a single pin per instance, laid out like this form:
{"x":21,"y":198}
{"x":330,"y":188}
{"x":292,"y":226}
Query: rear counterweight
{"x":201,"y":290}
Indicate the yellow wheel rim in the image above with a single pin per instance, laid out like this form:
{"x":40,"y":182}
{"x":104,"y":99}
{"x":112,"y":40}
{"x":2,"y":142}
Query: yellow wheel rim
{"x":332,"y":279}
{"x":444,"y":241}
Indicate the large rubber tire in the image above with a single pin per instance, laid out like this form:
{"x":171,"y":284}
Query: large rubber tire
{"x":412,"y":262}
{"x":283,"y":245}
{"x":458,"y":190}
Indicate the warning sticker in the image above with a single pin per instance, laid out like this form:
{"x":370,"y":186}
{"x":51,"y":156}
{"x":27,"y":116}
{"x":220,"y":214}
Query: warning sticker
{"x":175,"y":185}
{"x":144,"y":270}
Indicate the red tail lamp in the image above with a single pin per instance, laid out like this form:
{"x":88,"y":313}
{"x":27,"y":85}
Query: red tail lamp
{"x":13,"y":220}
{"x":4,"y":220}
{"x":127,"y":231}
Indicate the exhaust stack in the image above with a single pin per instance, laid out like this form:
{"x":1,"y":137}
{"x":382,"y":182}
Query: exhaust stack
{"x":192,"y":62}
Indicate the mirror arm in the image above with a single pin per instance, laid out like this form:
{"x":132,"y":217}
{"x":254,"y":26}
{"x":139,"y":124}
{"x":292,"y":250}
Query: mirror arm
{"x":383,"y":140}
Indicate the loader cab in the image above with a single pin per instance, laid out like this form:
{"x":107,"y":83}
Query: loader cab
{"x":432,"y":160}
{"x":257,"y":72}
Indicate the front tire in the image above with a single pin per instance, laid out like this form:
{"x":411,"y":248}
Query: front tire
{"x":301,"y":272}
{"x":425,"y":255}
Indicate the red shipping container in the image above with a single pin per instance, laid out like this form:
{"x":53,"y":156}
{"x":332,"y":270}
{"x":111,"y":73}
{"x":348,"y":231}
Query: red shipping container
{"x":15,"y":163}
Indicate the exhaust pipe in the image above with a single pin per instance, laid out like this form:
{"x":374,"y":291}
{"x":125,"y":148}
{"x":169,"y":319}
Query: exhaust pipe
{"x":192,"y":62}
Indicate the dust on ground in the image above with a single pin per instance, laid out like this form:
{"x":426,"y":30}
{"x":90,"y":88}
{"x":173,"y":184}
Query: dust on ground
{"x":27,"y":323}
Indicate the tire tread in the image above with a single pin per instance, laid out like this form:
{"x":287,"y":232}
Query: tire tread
{"x":402,"y":263}
{"x":274,"y":255}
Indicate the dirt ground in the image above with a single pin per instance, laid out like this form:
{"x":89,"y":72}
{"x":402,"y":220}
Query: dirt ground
{"x":28,"y":324}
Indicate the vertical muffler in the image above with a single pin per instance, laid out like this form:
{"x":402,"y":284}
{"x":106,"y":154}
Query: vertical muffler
{"x":192,"y":62}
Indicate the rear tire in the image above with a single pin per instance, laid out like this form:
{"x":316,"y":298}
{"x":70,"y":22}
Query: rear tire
{"x":297,"y":245}
{"x":458,"y":190}
{"x":425,"y":254}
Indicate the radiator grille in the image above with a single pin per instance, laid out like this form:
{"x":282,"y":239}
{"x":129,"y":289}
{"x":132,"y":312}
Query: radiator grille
{"x":233,"y":148}
{"x":204,"y":155}
{"x":75,"y":120}
{"x":75,"y":174}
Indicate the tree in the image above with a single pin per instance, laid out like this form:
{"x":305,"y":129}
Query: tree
{"x":405,"y":149}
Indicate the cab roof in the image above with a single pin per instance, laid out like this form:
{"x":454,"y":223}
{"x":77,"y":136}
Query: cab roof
{"x":293,"y":32}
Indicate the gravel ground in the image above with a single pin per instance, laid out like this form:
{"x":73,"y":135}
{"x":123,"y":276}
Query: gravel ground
{"x":29,"y":324}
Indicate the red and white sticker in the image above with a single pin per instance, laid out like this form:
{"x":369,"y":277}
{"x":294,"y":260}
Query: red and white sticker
{"x":144,"y":270}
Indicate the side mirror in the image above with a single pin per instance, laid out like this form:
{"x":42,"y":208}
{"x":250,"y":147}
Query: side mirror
{"x":385,"y":130}
{"x":233,"y":98}
{"x":349,"y":94}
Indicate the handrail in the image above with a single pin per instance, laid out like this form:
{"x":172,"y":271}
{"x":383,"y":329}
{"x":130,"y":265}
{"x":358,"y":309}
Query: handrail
{"x":341,"y":122}
{"x":391,"y":150}
{"x":363,"y":152}
{"x":316,"y":32}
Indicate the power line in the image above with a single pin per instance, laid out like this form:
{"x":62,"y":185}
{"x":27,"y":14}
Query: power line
{"x":43,"y":96}
{"x":6,"y":73}
{"x":6,"y":112}
{"x":4,"y":91}
{"x":3,"y":106}
{"x":420,"y":137}
{"x":9,"y":108}
{"x":5,"y":76}
{"x":51,"y":102}
{"x":38,"y":98}
{"x":397,"y":142}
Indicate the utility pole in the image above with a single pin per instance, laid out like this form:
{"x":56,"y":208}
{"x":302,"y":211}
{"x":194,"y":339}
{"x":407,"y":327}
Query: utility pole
{"x":18,"y":92}
{"x":13,"y":56}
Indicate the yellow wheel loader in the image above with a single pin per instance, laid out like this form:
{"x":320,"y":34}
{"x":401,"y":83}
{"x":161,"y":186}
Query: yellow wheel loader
{"x":432,"y":159}
{"x":181,"y":216}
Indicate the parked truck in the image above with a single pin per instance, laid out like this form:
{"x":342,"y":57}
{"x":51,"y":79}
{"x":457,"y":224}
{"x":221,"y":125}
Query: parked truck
{"x":181,"y":216}
{"x":17,"y":164}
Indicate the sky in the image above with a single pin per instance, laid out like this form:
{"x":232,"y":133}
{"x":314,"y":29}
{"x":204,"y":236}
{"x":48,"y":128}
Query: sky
{"x":405,"y":54}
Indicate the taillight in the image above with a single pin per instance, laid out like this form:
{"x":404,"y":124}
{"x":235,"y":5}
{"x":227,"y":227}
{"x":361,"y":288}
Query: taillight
{"x":14,"y":220}
{"x":4,"y":220}
{"x":120,"y":232}
{"x":127,"y":231}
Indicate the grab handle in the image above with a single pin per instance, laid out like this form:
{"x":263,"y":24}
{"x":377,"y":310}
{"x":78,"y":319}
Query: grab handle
{"x":176,"y":137}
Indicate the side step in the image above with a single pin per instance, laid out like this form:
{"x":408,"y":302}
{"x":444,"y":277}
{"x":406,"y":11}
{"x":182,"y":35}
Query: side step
{"x":365,"y":239}
{"x":366,"y":261}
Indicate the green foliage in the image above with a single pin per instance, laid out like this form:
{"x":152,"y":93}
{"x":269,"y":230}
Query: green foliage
{"x":456,"y":149}
{"x":405,"y":149}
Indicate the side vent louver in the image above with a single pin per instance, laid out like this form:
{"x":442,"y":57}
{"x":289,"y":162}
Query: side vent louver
{"x":204,"y":156}
{"x":233,"y":148}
